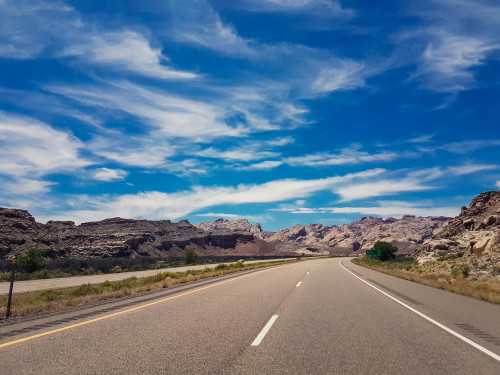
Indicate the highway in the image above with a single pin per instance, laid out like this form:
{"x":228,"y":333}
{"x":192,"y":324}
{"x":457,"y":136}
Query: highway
{"x":323,"y":316}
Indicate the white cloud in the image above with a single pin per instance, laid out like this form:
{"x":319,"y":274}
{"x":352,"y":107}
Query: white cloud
{"x":351,"y":155}
{"x":457,"y":36}
{"x":347,"y":156}
{"x":265,"y":165}
{"x":320,"y":8}
{"x":469,"y":168}
{"x":24,"y":186}
{"x":383,"y":208}
{"x":451,"y":57}
{"x":125,"y":50}
{"x":346,"y":75}
{"x":106,"y":174}
{"x":33,"y":148}
{"x":175,"y":205}
{"x":466,"y":147}
{"x":422,"y":139}
{"x":379,"y":188}
{"x":53,"y":29}
{"x":498,"y":185}
{"x":236,"y":154}
{"x":170,"y":115}
{"x":399,"y":210}
{"x":205,"y":28}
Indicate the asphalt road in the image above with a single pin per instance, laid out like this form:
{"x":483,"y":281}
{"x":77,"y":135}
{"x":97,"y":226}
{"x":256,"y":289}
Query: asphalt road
{"x":326,"y":321}
{"x":69,"y":282}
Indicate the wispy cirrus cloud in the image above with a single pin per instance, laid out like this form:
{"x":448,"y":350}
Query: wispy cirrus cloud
{"x":155,"y":204}
{"x":410,"y":181}
{"x":457,"y":36}
{"x":107,"y":174}
{"x":320,"y":8}
{"x":381,"y":208}
{"x":29,"y":30}
{"x":347,"y":156}
{"x":30,"y":147}
{"x":125,"y":50}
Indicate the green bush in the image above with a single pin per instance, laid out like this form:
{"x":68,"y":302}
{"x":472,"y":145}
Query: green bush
{"x":191,"y":256}
{"x":387,"y":250}
{"x":33,"y":261}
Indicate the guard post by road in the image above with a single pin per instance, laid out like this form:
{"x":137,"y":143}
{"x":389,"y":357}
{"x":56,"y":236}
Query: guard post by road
{"x":14,"y":261}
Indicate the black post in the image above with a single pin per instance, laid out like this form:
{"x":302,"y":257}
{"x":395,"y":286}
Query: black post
{"x":11,"y":287}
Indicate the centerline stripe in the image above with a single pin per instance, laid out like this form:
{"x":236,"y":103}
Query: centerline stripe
{"x":456,"y":334}
{"x":264,"y":331}
{"x":126,"y":311}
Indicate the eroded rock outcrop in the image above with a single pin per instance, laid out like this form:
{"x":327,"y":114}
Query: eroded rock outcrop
{"x":407,"y":233}
{"x":475,"y":231}
{"x":232,"y":226}
{"x":119,"y":237}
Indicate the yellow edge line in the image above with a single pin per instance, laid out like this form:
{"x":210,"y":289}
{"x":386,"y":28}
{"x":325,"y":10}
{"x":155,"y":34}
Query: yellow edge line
{"x":125,"y":311}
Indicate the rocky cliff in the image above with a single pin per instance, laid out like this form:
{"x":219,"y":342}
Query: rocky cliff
{"x":475,"y":231}
{"x":119,"y":237}
{"x":233,"y":226}
{"x":407,"y":233}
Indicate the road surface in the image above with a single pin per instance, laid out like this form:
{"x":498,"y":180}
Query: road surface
{"x":69,"y":282}
{"x":310,"y":317}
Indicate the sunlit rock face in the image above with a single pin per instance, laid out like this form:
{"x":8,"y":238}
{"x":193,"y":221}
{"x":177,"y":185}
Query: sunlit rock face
{"x":117,"y":237}
{"x":407,"y":233}
{"x":475,"y":231}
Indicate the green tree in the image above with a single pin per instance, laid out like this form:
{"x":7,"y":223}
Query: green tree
{"x":387,"y":250}
{"x":33,"y":261}
{"x":191,"y":256}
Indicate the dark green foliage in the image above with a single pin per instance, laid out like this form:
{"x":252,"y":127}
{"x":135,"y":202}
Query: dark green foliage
{"x":191,"y":256}
{"x":388,"y":250}
{"x":33,"y":261}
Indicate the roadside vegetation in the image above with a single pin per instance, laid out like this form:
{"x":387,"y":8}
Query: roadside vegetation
{"x":449,"y":272}
{"x":36,"y":265}
{"x":55,"y":299}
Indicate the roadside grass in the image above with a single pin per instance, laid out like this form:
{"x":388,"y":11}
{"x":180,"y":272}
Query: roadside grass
{"x":456,"y":282}
{"x":55,"y":299}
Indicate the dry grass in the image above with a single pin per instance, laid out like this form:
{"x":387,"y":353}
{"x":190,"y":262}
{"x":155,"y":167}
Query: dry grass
{"x":486,"y":290}
{"x":56,"y":299}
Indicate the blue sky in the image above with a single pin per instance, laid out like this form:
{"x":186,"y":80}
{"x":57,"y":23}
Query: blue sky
{"x":282,"y":112}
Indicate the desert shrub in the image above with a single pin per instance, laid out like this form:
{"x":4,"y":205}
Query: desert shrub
{"x":191,"y":256}
{"x":84,"y":290}
{"x":33,"y":261}
{"x":387,"y":250}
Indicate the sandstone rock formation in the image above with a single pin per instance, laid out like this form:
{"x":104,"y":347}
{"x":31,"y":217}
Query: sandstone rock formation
{"x":233,"y":226}
{"x":119,"y":237}
{"x":476,"y":230}
{"x":407,"y":233}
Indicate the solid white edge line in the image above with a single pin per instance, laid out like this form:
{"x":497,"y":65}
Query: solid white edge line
{"x":298,"y":284}
{"x":456,"y":334}
{"x":264,"y":331}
